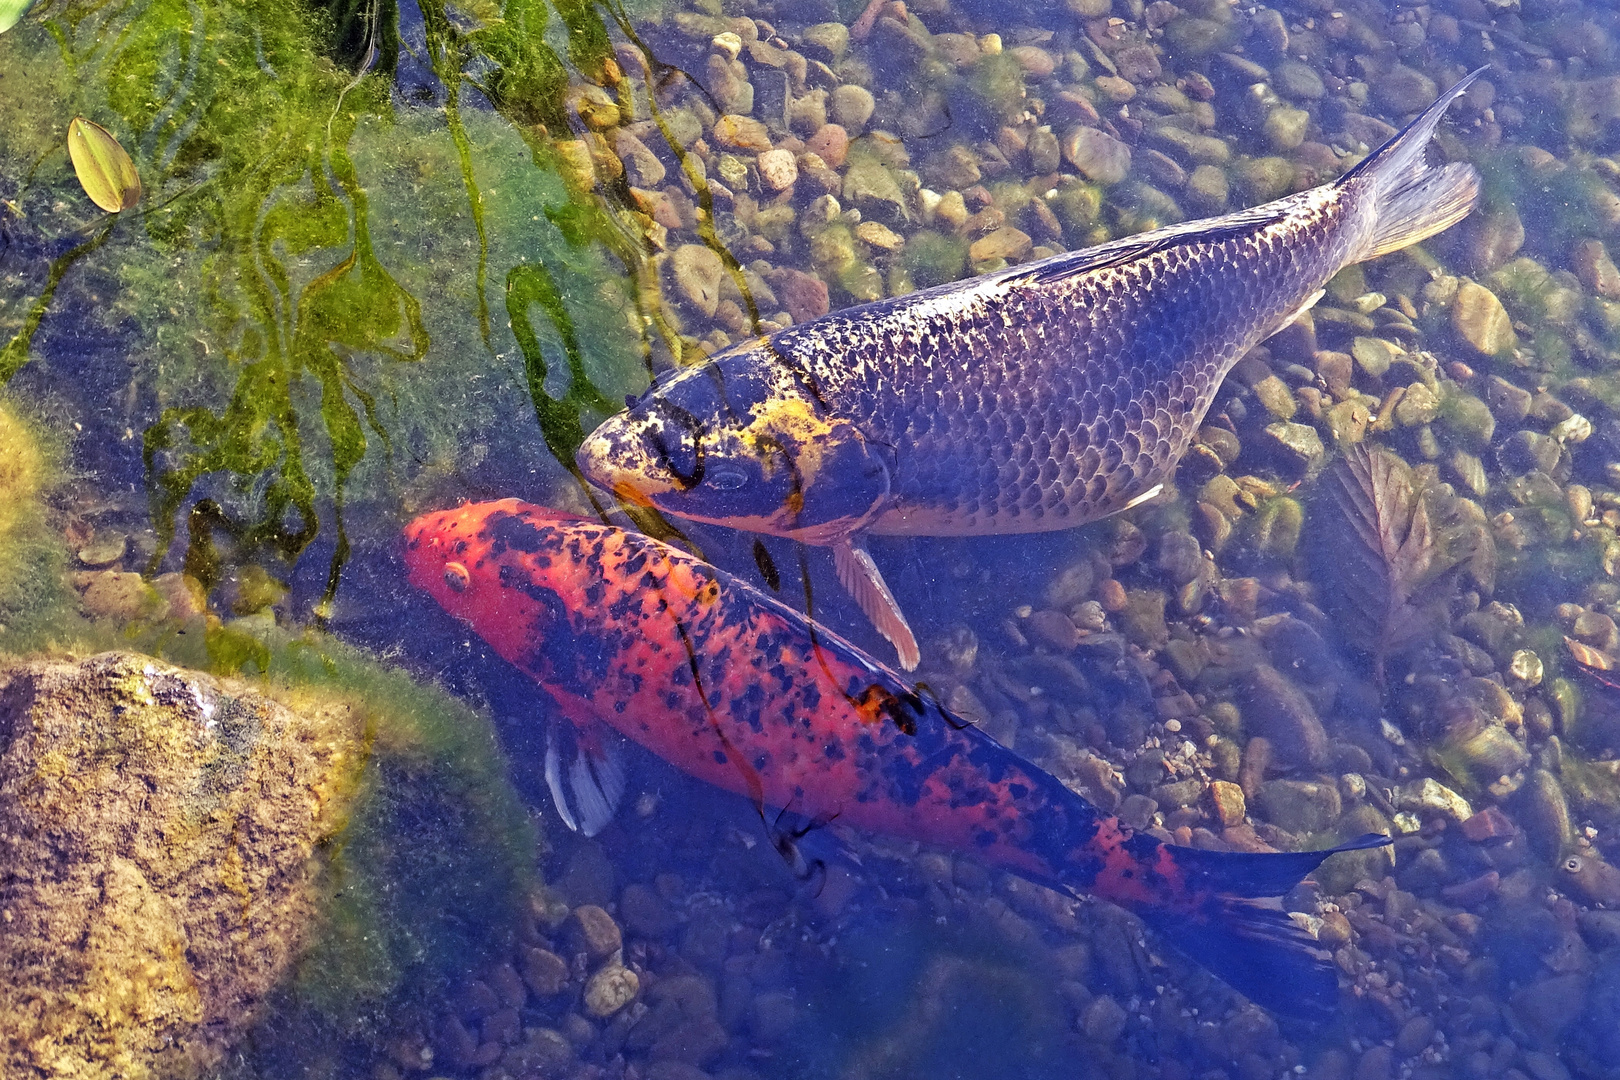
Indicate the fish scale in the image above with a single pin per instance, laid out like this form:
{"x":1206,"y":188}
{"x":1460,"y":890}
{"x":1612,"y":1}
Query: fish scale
{"x":999,"y":402}
{"x":1035,"y":398}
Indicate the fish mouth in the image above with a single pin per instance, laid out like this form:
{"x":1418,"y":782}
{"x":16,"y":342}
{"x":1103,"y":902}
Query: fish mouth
{"x":611,"y":459}
{"x":631,"y":494}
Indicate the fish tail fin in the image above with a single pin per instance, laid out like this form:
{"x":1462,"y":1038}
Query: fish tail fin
{"x":1258,"y":949}
{"x":1412,"y":200}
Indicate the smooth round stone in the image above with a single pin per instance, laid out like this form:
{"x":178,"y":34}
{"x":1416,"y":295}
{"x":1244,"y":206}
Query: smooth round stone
{"x":777,"y":169}
{"x":104,"y":551}
{"x":852,"y":106}
{"x":1098,"y":155}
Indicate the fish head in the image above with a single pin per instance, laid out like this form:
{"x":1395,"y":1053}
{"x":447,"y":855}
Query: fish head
{"x":743,"y":445}
{"x":465,"y":558}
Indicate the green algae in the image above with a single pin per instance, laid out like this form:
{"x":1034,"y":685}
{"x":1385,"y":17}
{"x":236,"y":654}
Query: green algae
{"x":435,"y":863}
{"x":295,"y":350}
{"x":34,"y":602}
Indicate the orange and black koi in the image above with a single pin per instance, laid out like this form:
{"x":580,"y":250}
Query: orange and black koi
{"x":739,"y":690}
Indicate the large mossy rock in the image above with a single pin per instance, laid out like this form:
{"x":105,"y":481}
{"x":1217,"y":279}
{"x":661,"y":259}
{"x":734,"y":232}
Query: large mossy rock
{"x":180,"y":851}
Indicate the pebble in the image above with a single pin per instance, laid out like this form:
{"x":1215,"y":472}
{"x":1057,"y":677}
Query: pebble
{"x":104,"y":551}
{"x":593,"y":931}
{"x":1276,"y":397}
{"x":1278,"y":710}
{"x":1433,"y":799}
{"x":1097,"y":155}
{"x":1544,"y":813}
{"x":1103,"y":1020}
{"x":1045,"y":155}
{"x":1374,"y":355}
{"x":1419,"y":405}
{"x":1006,"y":244}
{"x":871,"y":187}
{"x":642,"y":169}
{"x":1596,"y":270}
{"x":1404,"y":90}
{"x":118,"y":596}
{"x":852,"y":106}
{"x":1525,"y":668}
{"x":831,"y":144}
{"x":1116,"y":89}
{"x":1227,"y":803}
{"x":1480,"y":320}
{"x":1036,"y":61}
{"x":544,"y":971}
{"x":645,"y":913}
{"x":879,"y":235}
{"x":741,"y":133}
{"x":1285,"y":128}
{"x":1298,"y":446}
{"x":698,"y":271}
{"x":1300,"y":806}
{"x":777,"y":169}
{"x":1053,"y":629}
{"x":610,"y":989}
{"x":183,"y":593}
{"x":1493,"y":239}
{"x":1298,"y":80}
{"x":1207,"y":189}
{"x":803,"y":295}
{"x":1138,"y":64}
{"x":829,"y":38}
{"x":1488,"y":824}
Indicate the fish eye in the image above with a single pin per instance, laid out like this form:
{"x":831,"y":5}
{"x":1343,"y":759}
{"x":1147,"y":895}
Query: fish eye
{"x":727,"y":479}
{"x":1573,"y":864}
{"x":456,"y":578}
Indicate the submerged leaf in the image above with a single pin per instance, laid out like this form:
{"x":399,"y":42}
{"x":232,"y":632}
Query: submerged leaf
{"x":12,"y":11}
{"x":1586,"y":656}
{"x":105,"y":170}
{"x":1384,"y":552}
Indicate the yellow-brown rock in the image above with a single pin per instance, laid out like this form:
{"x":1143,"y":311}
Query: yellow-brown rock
{"x":157,"y":827}
{"x":1480,"y":319}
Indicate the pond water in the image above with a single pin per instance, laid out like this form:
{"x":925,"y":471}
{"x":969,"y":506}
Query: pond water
{"x":391,"y":257}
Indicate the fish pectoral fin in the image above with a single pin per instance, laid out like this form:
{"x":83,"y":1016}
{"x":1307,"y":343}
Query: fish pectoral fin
{"x":859,"y":574}
{"x":1150,"y":493}
{"x":585,"y":772}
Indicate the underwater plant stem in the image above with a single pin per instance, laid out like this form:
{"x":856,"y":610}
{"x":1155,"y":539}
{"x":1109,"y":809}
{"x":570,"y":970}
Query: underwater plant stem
{"x":15,"y":352}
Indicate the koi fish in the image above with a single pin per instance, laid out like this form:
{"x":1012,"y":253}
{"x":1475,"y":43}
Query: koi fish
{"x":747,"y":694}
{"x":1034,"y":398}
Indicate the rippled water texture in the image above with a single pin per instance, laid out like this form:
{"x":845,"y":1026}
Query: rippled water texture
{"x":388,"y":258}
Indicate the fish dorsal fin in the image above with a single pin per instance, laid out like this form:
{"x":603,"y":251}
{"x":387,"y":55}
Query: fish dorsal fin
{"x":585,"y":772}
{"x":1129,"y":248}
{"x":859,"y":574}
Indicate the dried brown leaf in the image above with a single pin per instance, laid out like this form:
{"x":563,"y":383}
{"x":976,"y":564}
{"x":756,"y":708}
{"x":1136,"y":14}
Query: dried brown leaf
{"x":1383,"y":553}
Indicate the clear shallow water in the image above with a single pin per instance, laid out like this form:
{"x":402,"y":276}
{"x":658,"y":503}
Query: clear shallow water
{"x":350,"y":296}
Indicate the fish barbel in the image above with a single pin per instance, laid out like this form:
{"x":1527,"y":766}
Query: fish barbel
{"x":747,"y":694}
{"x":1038,"y":397}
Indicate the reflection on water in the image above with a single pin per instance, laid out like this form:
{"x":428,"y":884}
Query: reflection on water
{"x":393,"y":257}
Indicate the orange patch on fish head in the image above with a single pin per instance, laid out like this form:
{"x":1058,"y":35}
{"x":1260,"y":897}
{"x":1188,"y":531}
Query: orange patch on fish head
{"x":446,"y":551}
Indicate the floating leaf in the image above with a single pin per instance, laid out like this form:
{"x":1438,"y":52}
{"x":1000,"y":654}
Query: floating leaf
{"x":105,"y":170}
{"x":12,"y":11}
{"x":1384,"y":554}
